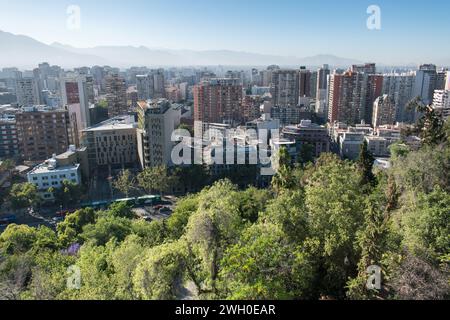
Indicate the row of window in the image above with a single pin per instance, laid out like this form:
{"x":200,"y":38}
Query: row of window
{"x":52,"y":177}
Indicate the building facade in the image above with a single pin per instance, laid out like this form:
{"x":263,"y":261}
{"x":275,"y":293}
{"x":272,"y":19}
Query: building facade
{"x":157,"y":121}
{"x":9,"y":143}
{"x":52,"y":174}
{"x":351,"y":96}
{"x":78,"y":97}
{"x":308,"y":133}
{"x":218,"y":101}
{"x":42,"y":132}
{"x":441,"y":102}
{"x":285,"y":87}
{"x":116,"y":95}
{"x":383,"y":111}
{"x":27,"y":92}
{"x":112,"y":143}
{"x":425,"y":84}
{"x":400,"y":89}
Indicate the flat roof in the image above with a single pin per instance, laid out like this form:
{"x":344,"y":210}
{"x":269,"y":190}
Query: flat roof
{"x":117,"y":123}
{"x":44,"y":168}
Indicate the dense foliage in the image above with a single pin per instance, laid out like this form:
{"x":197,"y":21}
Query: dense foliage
{"x":311,"y":236}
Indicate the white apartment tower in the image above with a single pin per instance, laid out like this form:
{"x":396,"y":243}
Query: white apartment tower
{"x":383,"y":111}
{"x":441,"y":102}
{"x":157,"y":121}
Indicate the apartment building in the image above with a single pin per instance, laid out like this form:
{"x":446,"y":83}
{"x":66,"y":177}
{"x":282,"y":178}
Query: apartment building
{"x":157,"y":120}
{"x":112,"y":143}
{"x":42,"y":131}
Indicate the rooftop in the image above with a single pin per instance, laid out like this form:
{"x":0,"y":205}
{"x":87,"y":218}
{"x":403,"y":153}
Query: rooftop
{"x":48,"y":167}
{"x":117,"y":123}
{"x":40,"y":108}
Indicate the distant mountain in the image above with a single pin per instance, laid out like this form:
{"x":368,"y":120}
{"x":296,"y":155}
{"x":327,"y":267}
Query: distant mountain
{"x":128,"y":55}
{"x":25,"y":52}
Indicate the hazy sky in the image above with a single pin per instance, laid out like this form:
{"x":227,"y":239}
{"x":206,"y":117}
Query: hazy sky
{"x":410,"y":30}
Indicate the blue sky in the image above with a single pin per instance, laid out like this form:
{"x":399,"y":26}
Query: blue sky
{"x":411,"y":31}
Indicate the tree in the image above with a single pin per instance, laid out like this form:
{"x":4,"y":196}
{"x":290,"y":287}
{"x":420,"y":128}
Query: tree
{"x":17,"y":239}
{"x":156,"y":178}
{"x":124,"y":260}
{"x":7,"y":165}
{"x":430,"y":126}
{"x":365,"y":165}
{"x":422,"y":170}
{"x":398,"y":150}
{"x":373,"y":243}
{"x":216,"y":224}
{"x":179,"y":219}
{"x":24,"y":195}
{"x":107,"y":228}
{"x":151,"y":234}
{"x":252,"y":202}
{"x":159,"y":276}
{"x":96,"y":271}
{"x":125,"y":182}
{"x":283,"y":179}
{"x":192,"y":178}
{"x":68,"y":194}
{"x":306,"y":154}
{"x":70,"y":229}
{"x":265,"y":265}
{"x":15,"y":273}
{"x":241,"y":175}
{"x":335,"y":206}
{"x":288,"y":212}
{"x":49,"y":276}
{"x":120,"y":210}
{"x":424,"y":224}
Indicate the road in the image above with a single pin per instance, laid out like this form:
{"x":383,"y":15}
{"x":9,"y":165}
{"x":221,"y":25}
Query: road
{"x":48,"y":216}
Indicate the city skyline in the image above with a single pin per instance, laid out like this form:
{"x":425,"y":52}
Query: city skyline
{"x":292,"y":29}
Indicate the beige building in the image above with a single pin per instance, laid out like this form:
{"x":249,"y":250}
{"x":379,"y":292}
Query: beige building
{"x":112,"y":143}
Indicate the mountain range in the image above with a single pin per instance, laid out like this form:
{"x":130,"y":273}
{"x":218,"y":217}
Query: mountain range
{"x":25,"y":52}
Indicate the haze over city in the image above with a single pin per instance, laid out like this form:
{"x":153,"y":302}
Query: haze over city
{"x":285,"y":28}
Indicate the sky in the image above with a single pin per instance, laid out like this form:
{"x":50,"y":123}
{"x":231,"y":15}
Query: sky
{"x":410,"y":31}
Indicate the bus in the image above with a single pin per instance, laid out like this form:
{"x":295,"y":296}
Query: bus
{"x":149,"y":200}
{"x":127,"y":201}
{"x":96,"y":204}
